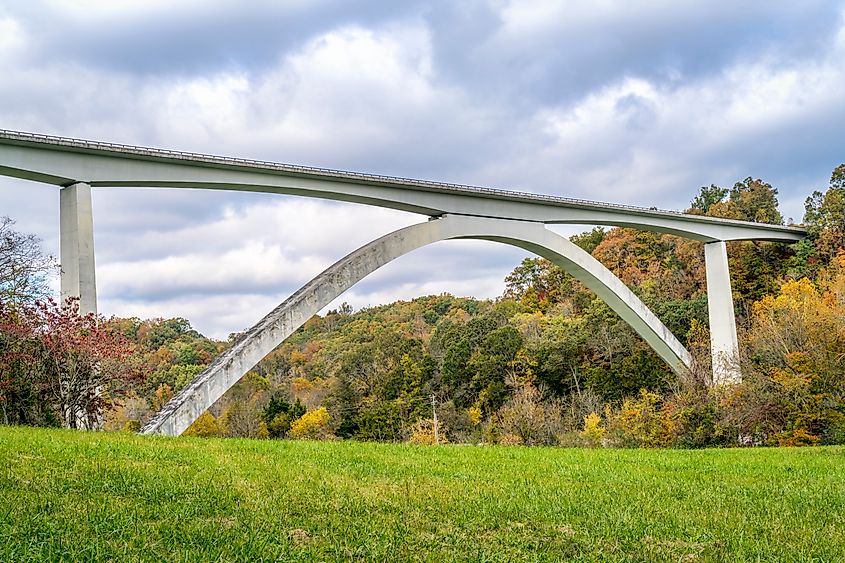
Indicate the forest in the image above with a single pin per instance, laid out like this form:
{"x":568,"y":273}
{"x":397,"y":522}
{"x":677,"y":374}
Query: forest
{"x":546,"y":363}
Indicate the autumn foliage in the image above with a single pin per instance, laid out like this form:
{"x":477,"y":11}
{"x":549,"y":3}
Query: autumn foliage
{"x":59,"y":367}
{"x":548,"y":363}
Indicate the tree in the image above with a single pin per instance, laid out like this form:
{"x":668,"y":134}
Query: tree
{"x":825,"y":218}
{"x":526,"y":418}
{"x":589,"y":240}
{"x":749,"y":200}
{"x":313,"y":425}
{"x":24,"y":268}
{"x":203,"y":427}
{"x":164,"y":331}
{"x":279,"y":413}
{"x":706,"y":198}
{"x":593,"y":430}
{"x":62,"y":365}
{"x":755,"y":266}
{"x":794,"y":391}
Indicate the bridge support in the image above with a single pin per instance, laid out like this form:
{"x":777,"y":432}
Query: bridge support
{"x":187,"y":405}
{"x":76,"y":228}
{"x":724,"y":347}
{"x":76,"y":221}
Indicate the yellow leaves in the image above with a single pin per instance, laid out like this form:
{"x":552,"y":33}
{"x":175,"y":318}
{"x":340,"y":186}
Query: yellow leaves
{"x":522,"y":366}
{"x":593,"y":431}
{"x":797,"y":374}
{"x":203,"y":427}
{"x":300,"y":385}
{"x":796,"y":437}
{"x":313,"y":425}
{"x":474,"y":414}
{"x":529,"y":325}
{"x":423,"y":433}
{"x":297,"y":358}
{"x":801,"y":330}
{"x":799,"y":290}
{"x":163,"y":394}
{"x":643,"y":422}
{"x":795,"y":296}
{"x":797,"y":339}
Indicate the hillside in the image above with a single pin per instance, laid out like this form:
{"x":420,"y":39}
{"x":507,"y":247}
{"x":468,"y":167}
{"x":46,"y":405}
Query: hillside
{"x":77,"y":496}
{"x":547,"y":363}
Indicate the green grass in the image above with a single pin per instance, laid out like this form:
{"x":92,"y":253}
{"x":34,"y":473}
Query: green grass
{"x":79,"y":496}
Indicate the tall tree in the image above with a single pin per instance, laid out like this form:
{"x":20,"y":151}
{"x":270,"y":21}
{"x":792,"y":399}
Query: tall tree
{"x":825,"y":218}
{"x":707,"y":197}
{"x":24,"y":267}
{"x":755,"y":266}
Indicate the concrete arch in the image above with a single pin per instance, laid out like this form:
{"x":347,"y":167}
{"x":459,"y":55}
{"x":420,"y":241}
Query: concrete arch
{"x":280,"y":323}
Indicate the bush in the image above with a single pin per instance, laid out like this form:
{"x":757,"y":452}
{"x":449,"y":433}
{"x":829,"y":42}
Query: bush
{"x":527,"y":418}
{"x":203,"y":427}
{"x":313,"y":425}
{"x":642,"y":422}
{"x":593,"y":431}
{"x":278,"y":415}
{"x":423,"y":433}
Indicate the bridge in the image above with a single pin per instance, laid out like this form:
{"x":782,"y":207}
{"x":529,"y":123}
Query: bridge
{"x":453,"y":212}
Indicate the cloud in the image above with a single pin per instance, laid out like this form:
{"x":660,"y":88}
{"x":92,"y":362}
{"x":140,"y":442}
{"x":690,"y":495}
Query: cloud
{"x":262,"y":248}
{"x":530,"y":52}
{"x":641,"y":142}
{"x":193,"y":37}
{"x":464,"y":268}
{"x":611,"y":101}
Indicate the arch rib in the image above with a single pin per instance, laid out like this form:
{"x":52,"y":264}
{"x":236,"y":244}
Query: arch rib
{"x":187,"y":405}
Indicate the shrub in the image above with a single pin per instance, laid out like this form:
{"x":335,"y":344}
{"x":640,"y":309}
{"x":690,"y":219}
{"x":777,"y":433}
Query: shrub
{"x":423,"y":433}
{"x":527,"y":417}
{"x":279,"y":413}
{"x":313,"y":425}
{"x":593,"y":431}
{"x":642,"y":422}
{"x":203,"y":427}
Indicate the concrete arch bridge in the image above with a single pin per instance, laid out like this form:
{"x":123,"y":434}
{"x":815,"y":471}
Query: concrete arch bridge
{"x":453,"y":212}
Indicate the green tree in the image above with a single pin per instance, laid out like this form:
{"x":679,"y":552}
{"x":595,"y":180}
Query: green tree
{"x":825,"y":220}
{"x":707,"y":197}
{"x":279,"y":413}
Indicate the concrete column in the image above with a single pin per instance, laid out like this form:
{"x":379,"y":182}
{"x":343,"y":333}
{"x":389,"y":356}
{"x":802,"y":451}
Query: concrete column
{"x":76,"y":220}
{"x":724,"y":347}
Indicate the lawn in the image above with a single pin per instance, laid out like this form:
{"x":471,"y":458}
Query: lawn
{"x":80,"y":496}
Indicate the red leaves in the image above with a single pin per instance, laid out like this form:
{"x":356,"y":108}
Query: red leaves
{"x":56,"y":359}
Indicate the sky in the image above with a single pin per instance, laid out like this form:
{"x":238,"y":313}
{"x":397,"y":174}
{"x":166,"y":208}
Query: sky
{"x":628,"y":102}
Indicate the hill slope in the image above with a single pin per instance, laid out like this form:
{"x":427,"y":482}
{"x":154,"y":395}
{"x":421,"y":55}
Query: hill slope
{"x":83,"y":496}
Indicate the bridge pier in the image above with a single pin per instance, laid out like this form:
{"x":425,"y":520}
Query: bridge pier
{"x":724,"y":347}
{"x":76,"y":228}
{"x":76,"y":222}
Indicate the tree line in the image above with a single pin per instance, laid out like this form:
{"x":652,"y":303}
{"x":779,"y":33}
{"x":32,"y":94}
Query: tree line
{"x":546,"y":363}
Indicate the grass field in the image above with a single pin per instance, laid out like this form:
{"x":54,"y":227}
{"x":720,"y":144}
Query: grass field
{"x":91,"y":496}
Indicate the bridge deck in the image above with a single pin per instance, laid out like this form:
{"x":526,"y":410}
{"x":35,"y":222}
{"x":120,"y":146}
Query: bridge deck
{"x":585,"y":211}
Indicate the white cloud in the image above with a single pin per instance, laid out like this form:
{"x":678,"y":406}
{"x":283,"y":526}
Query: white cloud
{"x":12,"y":39}
{"x":639,"y":142}
{"x":258,"y":248}
{"x":376,"y":98}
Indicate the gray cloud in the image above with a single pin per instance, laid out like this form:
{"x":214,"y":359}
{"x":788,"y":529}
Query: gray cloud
{"x":553,"y":52}
{"x":188,"y":38}
{"x":610,"y":101}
